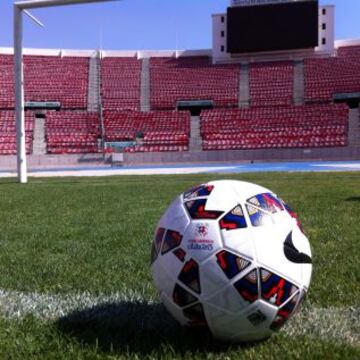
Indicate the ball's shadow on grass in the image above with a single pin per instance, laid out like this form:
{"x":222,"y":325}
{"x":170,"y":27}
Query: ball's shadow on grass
{"x":136,"y":328}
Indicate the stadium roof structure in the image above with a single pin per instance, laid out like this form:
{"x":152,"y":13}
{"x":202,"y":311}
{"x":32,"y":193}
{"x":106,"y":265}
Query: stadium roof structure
{"x":19,"y":8}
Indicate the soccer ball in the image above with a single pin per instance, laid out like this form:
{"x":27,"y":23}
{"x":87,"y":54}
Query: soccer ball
{"x":231,"y":256}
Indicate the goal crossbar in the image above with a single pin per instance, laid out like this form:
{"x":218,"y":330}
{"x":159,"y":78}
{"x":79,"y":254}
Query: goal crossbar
{"x":32,"y":4}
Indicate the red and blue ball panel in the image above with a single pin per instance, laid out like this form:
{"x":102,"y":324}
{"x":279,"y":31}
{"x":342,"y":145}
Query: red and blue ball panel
{"x":257,"y":216}
{"x":275,"y":289}
{"x":284,"y":313}
{"x":231,"y":264}
{"x":267,"y":202}
{"x":248,"y":287}
{"x":171,"y":241}
{"x":190,"y":276}
{"x":198,"y":191}
{"x":196,"y":210}
{"x":233,"y":220}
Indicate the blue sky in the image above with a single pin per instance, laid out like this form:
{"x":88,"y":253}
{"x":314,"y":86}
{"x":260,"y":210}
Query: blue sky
{"x":141,"y":24}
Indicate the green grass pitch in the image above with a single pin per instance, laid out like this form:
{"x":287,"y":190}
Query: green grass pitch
{"x":75,"y":281}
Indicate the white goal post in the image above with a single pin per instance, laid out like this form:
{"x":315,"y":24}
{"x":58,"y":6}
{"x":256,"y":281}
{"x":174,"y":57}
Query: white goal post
{"x":19,"y":8}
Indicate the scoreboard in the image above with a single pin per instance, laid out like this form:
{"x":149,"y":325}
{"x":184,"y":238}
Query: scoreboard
{"x":273,"y":26}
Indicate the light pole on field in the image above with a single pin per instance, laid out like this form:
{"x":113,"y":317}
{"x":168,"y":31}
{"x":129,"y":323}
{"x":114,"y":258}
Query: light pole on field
{"x":19,"y":8}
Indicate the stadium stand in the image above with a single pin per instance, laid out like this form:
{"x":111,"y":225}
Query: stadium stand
{"x":349,"y":51}
{"x":328,"y":76}
{"x":47,"y":78}
{"x":263,"y":125}
{"x":120,"y":83}
{"x":192,"y":78}
{"x":72,"y":132}
{"x":159,"y":131}
{"x":275,"y":127}
{"x":8,"y":132}
{"x":271,"y":84}
{"x":6,"y":82}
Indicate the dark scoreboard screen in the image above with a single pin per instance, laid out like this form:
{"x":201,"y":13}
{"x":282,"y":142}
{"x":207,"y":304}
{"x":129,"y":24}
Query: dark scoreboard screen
{"x":282,"y":26}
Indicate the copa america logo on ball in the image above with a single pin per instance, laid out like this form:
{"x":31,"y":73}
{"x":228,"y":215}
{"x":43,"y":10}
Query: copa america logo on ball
{"x":202,"y":229}
{"x":200,"y":242}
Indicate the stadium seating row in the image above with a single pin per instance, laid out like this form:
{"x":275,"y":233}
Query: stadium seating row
{"x":275,"y":143}
{"x":52,"y":78}
{"x":8,"y":132}
{"x":120,"y":83}
{"x":287,"y":127}
{"x":271,"y":84}
{"x":157,"y":148}
{"x":47,"y":78}
{"x":156,"y":128}
{"x":72,"y":132}
{"x":221,"y":129}
{"x":349,"y":52}
{"x":165,"y":138}
{"x":190,"y":78}
{"x":328,"y":76}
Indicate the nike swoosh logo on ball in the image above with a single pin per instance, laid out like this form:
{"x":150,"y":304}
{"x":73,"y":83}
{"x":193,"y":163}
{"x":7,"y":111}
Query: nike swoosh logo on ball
{"x":293,"y":254}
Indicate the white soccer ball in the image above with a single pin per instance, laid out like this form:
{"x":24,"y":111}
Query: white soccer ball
{"x":231,"y":256}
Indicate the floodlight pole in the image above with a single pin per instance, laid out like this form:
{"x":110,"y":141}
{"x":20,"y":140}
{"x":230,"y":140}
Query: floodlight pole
{"x":19,"y":7}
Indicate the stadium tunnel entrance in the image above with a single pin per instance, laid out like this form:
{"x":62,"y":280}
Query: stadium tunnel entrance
{"x":195,"y":106}
{"x":42,"y":105}
{"x":351,"y":99}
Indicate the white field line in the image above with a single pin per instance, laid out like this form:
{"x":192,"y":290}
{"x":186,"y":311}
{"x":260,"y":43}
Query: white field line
{"x":336,"y":324}
{"x":341,"y":325}
{"x":113,"y":172}
{"x":17,"y":305}
{"x":340,"y":166}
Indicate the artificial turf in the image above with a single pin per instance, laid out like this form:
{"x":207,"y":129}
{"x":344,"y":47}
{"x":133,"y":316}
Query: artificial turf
{"x":76,"y":235}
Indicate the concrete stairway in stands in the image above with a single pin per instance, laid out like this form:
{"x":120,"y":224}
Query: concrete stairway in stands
{"x":39,"y":143}
{"x":244,"y":86}
{"x":145,"y":86}
{"x":195,"y":137}
{"x":354,"y":127}
{"x":299,"y":83}
{"x":94,"y":85}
